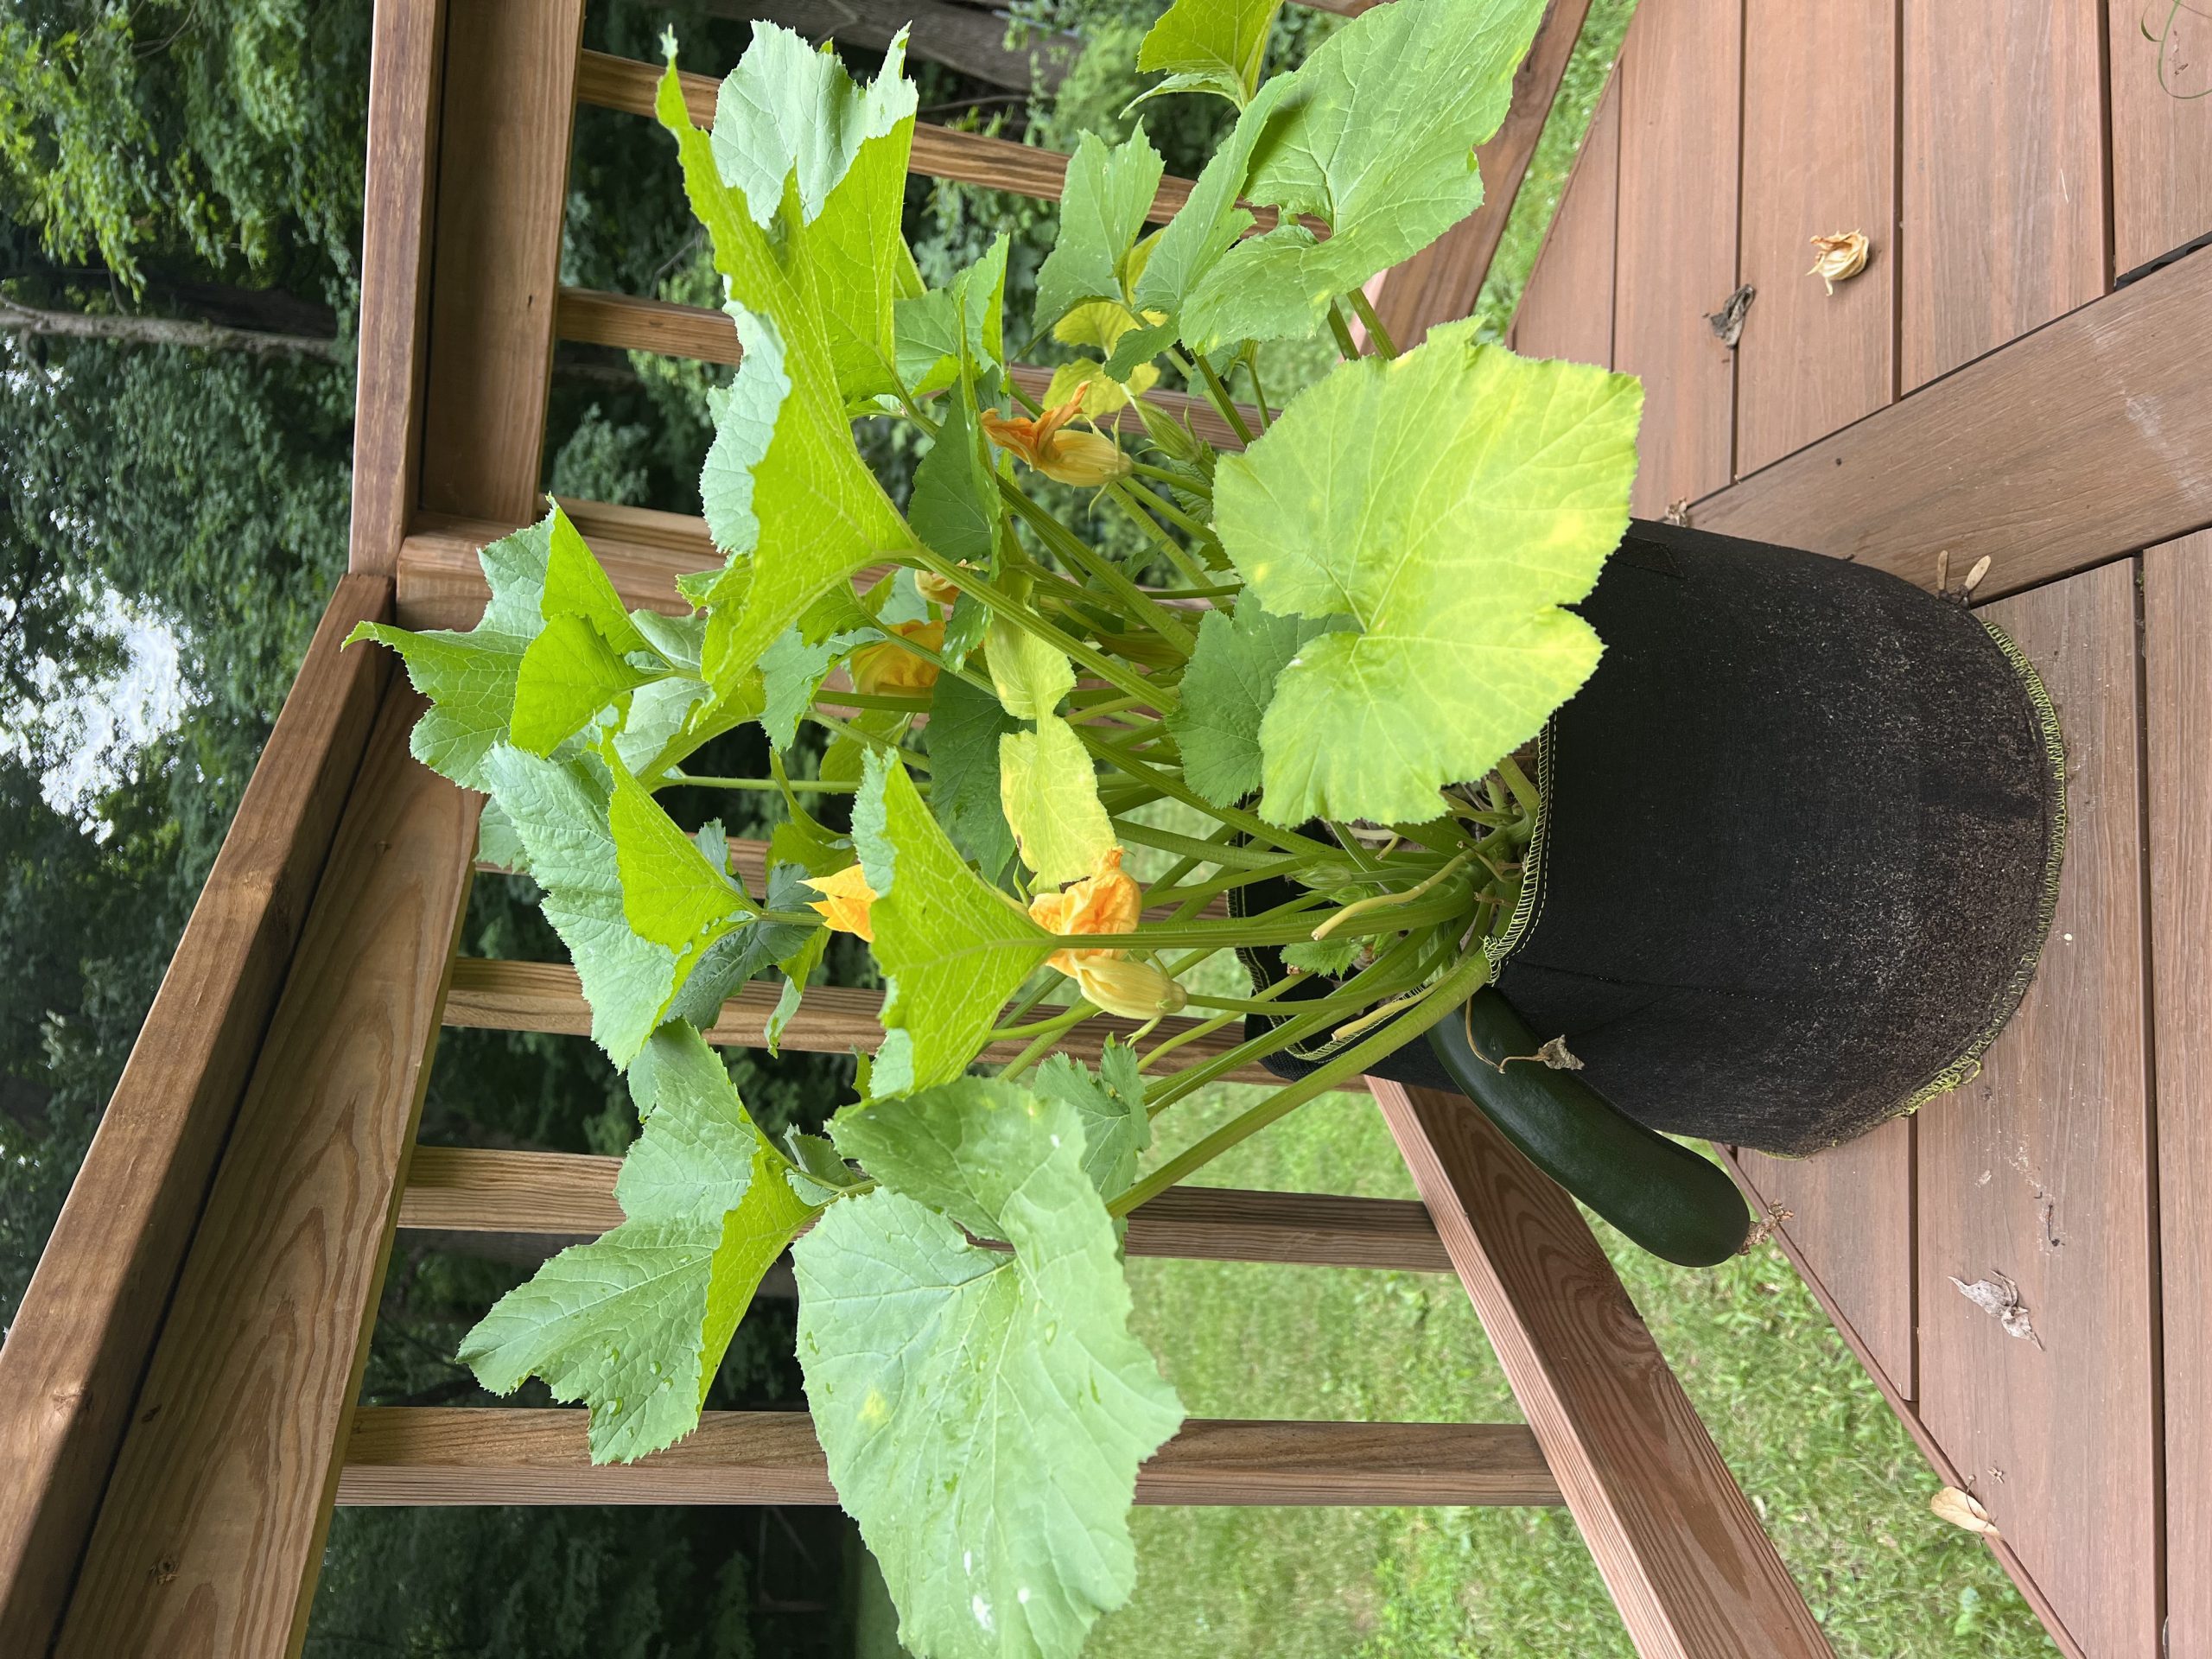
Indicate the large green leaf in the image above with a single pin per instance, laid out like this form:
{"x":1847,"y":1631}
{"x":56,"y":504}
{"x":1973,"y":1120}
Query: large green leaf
{"x":964,"y":729}
{"x":1373,"y":135}
{"x":558,"y":809}
{"x":954,"y":506}
{"x":1226,"y":691}
{"x":1048,"y":786}
{"x":785,"y":491}
{"x":566,"y":676}
{"x":1103,"y":207}
{"x":789,"y":111}
{"x":1110,"y":1102}
{"x":1211,"y":45}
{"x":1450,"y":503}
{"x":635,"y":1322}
{"x":952,"y":949}
{"x":984,"y":1412}
{"x":962,"y":322}
{"x":672,"y":893}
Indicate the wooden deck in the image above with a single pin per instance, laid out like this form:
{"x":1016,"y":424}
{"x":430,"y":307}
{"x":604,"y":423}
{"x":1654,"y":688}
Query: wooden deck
{"x":2031,"y":194}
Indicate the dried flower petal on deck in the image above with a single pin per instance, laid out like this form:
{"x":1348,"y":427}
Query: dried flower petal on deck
{"x":1838,"y":257}
{"x":1963,"y":1509}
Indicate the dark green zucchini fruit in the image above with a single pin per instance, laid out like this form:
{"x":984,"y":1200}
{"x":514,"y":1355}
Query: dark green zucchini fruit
{"x":1676,"y":1205}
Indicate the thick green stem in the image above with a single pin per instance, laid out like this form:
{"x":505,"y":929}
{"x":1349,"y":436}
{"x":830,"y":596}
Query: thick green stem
{"x":1469,"y":976}
{"x":1375,"y":331}
{"x":1223,"y":401}
{"x":1004,"y":605}
{"x":1142,"y":607}
{"x":1342,"y":330}
{"x":815,"y":786}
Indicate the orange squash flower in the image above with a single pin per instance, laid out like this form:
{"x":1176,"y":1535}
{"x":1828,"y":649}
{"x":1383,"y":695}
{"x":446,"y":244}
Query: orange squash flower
{"x":1084,"y":459}
{"x":845,"y":900}
{"x":1105,"y":901}
{"x":889,"y":670}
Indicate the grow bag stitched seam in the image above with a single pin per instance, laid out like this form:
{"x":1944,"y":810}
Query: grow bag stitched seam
{"x":1527,"y":908}
{"x":2007,"y":1001}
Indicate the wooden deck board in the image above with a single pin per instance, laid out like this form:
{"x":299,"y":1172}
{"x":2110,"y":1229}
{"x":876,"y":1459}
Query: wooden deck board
{"x":2177,"y":684}
{"x":2004,"y":181}
{"x":2034,"y":417}
{"x":2037,"y":1172}
{"x":1820,"y":118}
{"x":2161,"y":64}
{"x":1676,"y":230}
{"x":1566,"y":311}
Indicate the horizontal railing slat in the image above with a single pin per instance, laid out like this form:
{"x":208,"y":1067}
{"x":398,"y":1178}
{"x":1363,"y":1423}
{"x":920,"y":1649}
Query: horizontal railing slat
{"x":565,"y":1195}
{"x":455,"y":1455}
{"x":591,"y":317}
{"x":833,"y":1019}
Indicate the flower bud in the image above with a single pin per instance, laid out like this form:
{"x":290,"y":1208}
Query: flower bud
{"x":938,"y":590}
{"x":1136,"y":990}
{"x":1085,"y":459}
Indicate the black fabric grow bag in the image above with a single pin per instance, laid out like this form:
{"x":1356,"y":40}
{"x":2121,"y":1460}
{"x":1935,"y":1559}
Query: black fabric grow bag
{"x":1800,"y":848}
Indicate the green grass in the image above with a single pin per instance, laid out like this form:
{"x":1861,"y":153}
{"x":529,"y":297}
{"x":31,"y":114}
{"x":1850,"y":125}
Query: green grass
{"x":1838,"y":1482}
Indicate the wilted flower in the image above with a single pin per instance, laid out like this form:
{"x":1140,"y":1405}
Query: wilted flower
{"x":1838,"y":257}
{"x":1084,"y":459}
{"x":887,"y":669}
{"x":1105,"y":901}
{"x":846,"y":897}
{"x":1136,"y":990}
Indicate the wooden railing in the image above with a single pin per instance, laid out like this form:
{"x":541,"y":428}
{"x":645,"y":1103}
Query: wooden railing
{"x":178,"y":1399}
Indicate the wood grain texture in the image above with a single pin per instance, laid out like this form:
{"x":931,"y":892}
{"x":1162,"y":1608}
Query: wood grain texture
{"x":463,"y":1455}
{"x":2178,"y":769}
{"x":2004,"y":191}
{"x":212,"y":1530}
{"x":470,"y":1189}
{"x":406,"y":58}
{"x":591,"y":317}
{"x":968,"y":38}
{"x":502,"y":189}
{"x":2074,"y":446}
{"x":80,"y":1339}
{"x":1678,"y":1547}
{"x":2039,"y":1171}
{"x":545,"y":996}
{"x":442,"y":583}
{"x":1849,"y":1231}
{"x":2160,"y":70}
{"x":1676,"y":252}
{"x":1444,"y":280}
{"x":1566,"y":311}
{"x":1820,"y":129}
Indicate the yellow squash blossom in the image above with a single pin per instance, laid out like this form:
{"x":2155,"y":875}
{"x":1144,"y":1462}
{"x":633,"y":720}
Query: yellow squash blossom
{"x":845,"y":900}
{"x":889,"y":670}
{"x":1084,"y":459}
{"x":1105,"y":901}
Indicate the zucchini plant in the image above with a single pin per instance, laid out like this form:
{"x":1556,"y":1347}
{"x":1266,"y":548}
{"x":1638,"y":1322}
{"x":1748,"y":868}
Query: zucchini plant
{"x":1330,"y":651}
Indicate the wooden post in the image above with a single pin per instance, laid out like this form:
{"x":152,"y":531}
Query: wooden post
{"x":80,"y":1340}
{"x":212,"y":1530}
{"x":1691,"y":1569}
